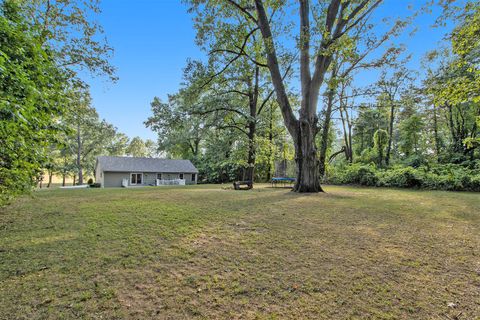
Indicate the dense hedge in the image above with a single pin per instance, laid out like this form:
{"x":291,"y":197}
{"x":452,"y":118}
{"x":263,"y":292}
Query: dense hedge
{"x":464,"y":177}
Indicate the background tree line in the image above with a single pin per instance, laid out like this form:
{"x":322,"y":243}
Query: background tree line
{"x":408,"y":128}
{"x":277,"y":95}
{"x":47,"y":123}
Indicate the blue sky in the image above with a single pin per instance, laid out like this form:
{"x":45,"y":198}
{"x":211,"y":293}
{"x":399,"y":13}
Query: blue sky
{"x":152,"y":41}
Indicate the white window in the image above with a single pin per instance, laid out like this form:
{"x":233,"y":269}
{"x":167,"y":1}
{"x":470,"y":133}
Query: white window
{"x":135,"y":178}
{"x":181,"y":175}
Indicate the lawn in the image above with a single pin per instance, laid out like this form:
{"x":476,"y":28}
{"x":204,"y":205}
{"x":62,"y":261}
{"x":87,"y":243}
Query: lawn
{"x":202,"y":252}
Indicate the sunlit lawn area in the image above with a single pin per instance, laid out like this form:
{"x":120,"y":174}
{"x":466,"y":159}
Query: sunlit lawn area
{"x":208,"y":253}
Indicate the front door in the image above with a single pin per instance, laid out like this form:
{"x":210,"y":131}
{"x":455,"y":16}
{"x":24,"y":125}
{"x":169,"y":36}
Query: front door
{"x":136,"y":178}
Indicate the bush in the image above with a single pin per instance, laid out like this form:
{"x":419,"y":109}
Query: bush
{"x":454,"y":177}
{"x":90,"y":181}
{"x":406,"y":177}
{"x":95,"y":185}
{"x":414,"y":161}
{"x":354,"y":174}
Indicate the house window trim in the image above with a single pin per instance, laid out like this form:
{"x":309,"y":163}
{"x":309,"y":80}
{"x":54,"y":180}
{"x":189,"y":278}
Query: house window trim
{"x":136,"y":181}
{"x":181,"y":176}
{"x":194,"y":177}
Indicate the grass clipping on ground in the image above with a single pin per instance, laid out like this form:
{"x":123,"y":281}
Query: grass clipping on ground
{"x":207,"y":253}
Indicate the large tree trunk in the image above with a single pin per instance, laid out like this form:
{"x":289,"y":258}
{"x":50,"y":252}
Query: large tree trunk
{"x":308,"y":179}
{"x":303,"y":130}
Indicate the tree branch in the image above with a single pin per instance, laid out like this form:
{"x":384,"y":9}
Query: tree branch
{"x":305,"y":48}
{"x":273,"y":66}
{"x":264,"y":102}
{"x":242,"y":9}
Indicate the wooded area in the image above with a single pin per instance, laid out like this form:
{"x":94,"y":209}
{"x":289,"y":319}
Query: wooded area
{"x":410,"y":128}
{"x":274,"y":89}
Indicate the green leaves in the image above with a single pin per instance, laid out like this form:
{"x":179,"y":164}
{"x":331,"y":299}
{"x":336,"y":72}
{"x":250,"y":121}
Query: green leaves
{"x":68,"y":29}
{"x":31,"y":100}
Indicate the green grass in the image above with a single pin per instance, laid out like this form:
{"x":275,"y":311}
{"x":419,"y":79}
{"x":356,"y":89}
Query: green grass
{"x":207,"y":253}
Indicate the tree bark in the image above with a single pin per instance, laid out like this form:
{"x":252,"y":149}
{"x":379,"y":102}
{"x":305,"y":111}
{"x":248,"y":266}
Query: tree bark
{"x":250,"y":161}
{"x":304,"y":130}
{"x":451,"y":124}
{"x":50,"y":175}
{"x":347,"y":133}
{"x":270,"y":145}
{"x":79,"y":156}
{"x":64,"y":172}
{"x":252,"y":124}
{"x":326,"y":124}
{"x":390,"y":132}
{"x":251,"y":150}
{"x":308,"y":179}
{"x":342,"y":150}
{"x":435,"y":132}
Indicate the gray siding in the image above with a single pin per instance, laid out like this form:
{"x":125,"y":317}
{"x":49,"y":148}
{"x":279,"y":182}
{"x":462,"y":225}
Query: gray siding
{"x":188,"y":178}
{"x":114,"y":179}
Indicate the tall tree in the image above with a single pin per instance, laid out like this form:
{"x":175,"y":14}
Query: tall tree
{"x":88,"y":136}
{"x":363,"y":49}
{"x":453,"y":85}
{"x":69,"y":27}
{"x":380,"y":141}
{"x":137,"y":148}
{"x":235,"y":76}
{"x":31,"y":102}
{"x":236,"y":100}
{"x":179,"y":132}
{"x":391,"y":88}
{"x":333,"y":19}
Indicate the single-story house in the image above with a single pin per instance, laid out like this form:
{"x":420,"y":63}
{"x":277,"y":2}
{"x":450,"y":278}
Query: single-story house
{"x":134,"y":171}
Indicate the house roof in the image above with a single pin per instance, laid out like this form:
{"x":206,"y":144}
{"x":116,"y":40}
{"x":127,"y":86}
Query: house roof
{"x":134,"y":164}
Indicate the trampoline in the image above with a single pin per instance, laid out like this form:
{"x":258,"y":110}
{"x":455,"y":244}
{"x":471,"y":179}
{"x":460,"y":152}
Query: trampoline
{"x":284,"y":181}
